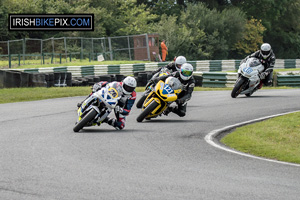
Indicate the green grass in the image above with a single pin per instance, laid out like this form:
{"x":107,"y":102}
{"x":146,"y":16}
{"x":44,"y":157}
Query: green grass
{"x":37,"y":63}
{"x":289,"y":69}
{"x":10,"y":95}
{"x":276,"y":138}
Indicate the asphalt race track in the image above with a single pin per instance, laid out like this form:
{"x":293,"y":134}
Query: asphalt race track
{"x":166,"y":158}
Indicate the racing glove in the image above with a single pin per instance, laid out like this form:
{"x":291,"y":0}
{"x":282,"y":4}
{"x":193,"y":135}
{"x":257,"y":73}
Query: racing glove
{"x":155,"y":80}
{"x":118,"y":109}
{"x":96,"y":87}
{"x":262,"y":75}
{"x":180,"y":101}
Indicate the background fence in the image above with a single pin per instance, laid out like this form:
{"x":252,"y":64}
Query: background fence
{"x":66,"y":49}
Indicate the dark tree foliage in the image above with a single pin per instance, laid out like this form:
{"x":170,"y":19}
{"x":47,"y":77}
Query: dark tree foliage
{"x":281,"y":18}
{"x":116,"y":17}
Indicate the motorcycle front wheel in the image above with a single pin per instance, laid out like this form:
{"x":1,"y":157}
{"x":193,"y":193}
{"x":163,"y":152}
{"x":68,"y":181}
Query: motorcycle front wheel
{"x":238,"y":87}
{"x":147,"y":111}
{"x":86,"y":119}
{"x":140,"y":102}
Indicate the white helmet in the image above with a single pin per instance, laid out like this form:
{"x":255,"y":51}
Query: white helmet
{"x":186,"y":71}
{"x":265,"y":50}
{"x":129,"y":84}
{"x":180,"y":60}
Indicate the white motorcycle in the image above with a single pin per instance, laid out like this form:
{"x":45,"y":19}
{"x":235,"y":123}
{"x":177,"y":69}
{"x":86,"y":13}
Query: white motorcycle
{"x":248,"y":77}
{"x":98,"y":106}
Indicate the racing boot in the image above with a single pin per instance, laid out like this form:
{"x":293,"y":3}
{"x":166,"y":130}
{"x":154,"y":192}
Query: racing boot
{"x":112,"y":122}
{"x":260,"y":85}
{"x":168,"y":110}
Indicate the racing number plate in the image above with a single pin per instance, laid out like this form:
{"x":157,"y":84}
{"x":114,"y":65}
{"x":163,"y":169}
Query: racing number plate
{"x":248,"y":70}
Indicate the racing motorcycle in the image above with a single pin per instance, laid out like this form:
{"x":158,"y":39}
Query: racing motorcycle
{"x":162,"y":72}
{"x":98,"y":106}
{"x":248,"y":77}
{"x":160,"y":97}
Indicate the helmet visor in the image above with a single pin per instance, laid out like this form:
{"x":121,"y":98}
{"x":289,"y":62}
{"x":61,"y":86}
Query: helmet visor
{"x":178,"y":66}
{"x":265,"y":53}
{"x":186,"y":73}
{"x":128,"y":88}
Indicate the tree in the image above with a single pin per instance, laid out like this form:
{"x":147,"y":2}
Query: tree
{"x":281,"y":20}
{"x":178,"y":37}
{"x":135,"y":19}
{"x":222,"y":29}
{"x":202,"y":33}
{"x":252,"y":38}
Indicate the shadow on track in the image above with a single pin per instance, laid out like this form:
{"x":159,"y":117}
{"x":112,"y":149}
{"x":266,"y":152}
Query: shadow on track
{"x":261,"y":96}
{"x":107,"y":130}
{"x":170,"y":121}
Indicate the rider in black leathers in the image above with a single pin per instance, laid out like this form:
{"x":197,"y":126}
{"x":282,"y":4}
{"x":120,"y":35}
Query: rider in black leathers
{"x":188,"y":82}
{"x":267,"y":58}
{"x":171,"y":67}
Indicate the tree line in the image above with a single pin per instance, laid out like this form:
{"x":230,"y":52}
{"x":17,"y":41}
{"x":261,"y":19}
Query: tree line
{"x":198,"y":29}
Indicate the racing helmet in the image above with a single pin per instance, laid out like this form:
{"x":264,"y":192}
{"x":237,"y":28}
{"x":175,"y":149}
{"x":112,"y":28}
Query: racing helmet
{"x":180,"y":60}
{"x":186,"y":71}
{"x":129,"y":84}
{"x":265,"y":50}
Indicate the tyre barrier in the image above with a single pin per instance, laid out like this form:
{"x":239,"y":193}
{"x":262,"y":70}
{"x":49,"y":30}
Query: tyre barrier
{"x":143,"y":78}
{"x":92,"y":79}
{"x":15,"y":79}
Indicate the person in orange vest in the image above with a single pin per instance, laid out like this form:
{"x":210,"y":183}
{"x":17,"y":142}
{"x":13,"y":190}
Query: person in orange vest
{"x":164,"y":50}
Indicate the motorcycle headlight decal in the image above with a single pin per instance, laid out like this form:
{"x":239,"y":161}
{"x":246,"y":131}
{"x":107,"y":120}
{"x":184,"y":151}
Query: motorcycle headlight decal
{"x":171,"y":95}
{"x":113,"y":93}
{"x":248,"y":70}
{"x":161,"y":86}
{"x":167,"y":89}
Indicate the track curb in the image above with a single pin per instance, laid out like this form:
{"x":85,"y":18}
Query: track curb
{"x":211,"y":138}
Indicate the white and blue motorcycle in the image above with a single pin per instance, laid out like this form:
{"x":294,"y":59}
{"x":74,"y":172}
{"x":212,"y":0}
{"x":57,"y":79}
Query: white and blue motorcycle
{"x":248,"y":77}
{"x":98,"y":106}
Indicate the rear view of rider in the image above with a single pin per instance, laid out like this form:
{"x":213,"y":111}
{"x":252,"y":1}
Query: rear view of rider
{"x":267,"y":58}
{"x":185,"y":75}
{"x":125,"y":103}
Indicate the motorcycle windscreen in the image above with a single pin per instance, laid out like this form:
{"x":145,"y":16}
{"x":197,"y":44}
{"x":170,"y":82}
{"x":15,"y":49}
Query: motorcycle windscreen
{"x":253,"y":62}
{"x":112,"y":93}
{"x":174,"y":83}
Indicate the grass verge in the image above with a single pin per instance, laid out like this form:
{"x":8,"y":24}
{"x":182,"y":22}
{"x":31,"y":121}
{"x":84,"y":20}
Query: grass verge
{"x":277,"y":138}
{"x":37,"y":64}
{"x":10,"y":95}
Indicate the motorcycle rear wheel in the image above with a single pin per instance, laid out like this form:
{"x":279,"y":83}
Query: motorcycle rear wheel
{"x":86,"y":119}
{"x":238,"y":87}
{"x":147,"y":111}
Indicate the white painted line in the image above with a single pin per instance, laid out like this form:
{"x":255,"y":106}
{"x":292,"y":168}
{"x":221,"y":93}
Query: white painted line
{"x":210,"y":136}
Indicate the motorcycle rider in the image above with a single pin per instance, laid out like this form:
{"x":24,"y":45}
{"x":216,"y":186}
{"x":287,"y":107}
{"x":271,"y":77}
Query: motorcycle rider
{"x":172,"y":67}
{"x":267,"y":58}
{"x":125,"y":103}
{"x":185,"y":76}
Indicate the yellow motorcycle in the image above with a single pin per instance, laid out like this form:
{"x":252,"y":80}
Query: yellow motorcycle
{"x":160,"y":97}
{"x":162,"y":72}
